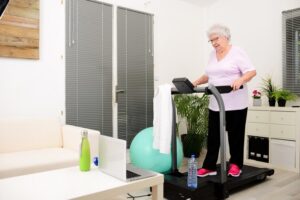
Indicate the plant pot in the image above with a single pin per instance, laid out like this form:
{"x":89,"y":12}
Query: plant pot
{"x":191,"y":144}
{"x":281,"y":102}
{"x":256,"y":102}
{"x":272,"y":102}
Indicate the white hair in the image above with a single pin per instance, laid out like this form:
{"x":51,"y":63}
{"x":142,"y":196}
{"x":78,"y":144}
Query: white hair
{"x":220,"y":30}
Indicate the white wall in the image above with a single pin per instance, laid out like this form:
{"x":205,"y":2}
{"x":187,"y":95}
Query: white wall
{"x":36,"y":87}
{"x":179,"y":31}
{"x":256,"y":26}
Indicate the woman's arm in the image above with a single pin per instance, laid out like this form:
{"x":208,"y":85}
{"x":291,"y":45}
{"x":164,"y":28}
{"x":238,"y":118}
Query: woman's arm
{"x":244,"y":79}
{"x":203,"y":79}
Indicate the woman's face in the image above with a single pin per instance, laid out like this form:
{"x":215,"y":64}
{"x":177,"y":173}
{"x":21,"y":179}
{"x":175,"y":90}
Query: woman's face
{"x":218,"y":42}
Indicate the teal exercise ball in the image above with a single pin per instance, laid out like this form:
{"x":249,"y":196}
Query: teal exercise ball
{"x":144,"y":156}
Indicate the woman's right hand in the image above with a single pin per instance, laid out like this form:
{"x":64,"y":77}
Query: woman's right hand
{"x":195,"y":83}
{"x":203,"y":79}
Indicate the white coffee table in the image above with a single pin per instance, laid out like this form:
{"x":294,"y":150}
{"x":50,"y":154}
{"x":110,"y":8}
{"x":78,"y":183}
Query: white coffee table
{"x":70,"y":183}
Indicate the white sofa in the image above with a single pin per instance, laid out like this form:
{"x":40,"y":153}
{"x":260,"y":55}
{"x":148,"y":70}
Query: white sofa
{"x":34,"y":145}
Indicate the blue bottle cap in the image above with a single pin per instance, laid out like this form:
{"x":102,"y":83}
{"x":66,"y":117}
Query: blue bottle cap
{"x":95,"y":161}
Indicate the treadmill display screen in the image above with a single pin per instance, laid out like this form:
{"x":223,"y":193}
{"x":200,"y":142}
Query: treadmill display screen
{"x":183,"y":85}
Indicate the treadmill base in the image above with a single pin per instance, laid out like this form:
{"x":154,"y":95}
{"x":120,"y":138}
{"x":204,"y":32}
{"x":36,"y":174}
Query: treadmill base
{"x":210,"y":188}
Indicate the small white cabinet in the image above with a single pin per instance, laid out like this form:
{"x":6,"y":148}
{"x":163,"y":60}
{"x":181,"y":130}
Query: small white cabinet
{"x":283,"y":153}
{"x":281,"y":125}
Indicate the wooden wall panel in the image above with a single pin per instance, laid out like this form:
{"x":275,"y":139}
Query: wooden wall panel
{"x":19,"y":30}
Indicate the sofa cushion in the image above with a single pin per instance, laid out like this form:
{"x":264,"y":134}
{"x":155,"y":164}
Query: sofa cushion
{"x":27,"y":134}
{"x":24,"y":162}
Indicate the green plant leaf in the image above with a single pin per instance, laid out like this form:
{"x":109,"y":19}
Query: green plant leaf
{"x":194,"y":109}
{"x":284,"y":94}
{"x":268,"y":87}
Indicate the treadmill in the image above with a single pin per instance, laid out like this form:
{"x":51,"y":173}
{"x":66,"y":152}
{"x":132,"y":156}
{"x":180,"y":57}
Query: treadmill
{"x":210,"y":187}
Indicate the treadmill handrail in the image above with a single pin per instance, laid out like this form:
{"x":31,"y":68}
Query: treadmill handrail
{"x":220,"y":102}
{"x":220,"y":89}
{"x":211,"y":89}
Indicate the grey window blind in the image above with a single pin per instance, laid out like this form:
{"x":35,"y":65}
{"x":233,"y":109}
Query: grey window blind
{"x":135,"y":72}
{"x":291,"y":50}
{"x":89,"y":65}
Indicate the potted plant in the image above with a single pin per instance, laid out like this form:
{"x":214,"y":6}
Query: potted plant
{"x":256,"y":98}
{"x":268,"y":89}
{"x":283,"y":95}
{"x":194,"y":109}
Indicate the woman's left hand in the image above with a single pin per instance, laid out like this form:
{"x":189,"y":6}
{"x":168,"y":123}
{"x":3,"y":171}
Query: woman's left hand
{"x":237,"y":84}
{"x":244,"y":79}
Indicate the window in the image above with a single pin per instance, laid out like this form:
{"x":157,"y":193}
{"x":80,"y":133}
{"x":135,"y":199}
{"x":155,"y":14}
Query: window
{"x":89,"y":65}
{"x":291,"y":50}
{"x":135,"y":72}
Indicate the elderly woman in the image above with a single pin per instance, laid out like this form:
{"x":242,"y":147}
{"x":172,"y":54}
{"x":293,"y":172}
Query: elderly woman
{"x":227,"y":65}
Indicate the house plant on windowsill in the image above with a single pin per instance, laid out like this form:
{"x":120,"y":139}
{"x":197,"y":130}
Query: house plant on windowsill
{"x":283,"y":95}
{"x":268,"y":88}
{"x":194,"y":109}
{"x":256,"y":98}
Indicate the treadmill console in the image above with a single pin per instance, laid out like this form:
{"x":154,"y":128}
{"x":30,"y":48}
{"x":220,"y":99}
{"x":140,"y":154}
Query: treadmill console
{"x":183,"y":85}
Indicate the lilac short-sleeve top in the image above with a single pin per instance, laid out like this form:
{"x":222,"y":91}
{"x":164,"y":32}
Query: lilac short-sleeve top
{"x":225,"y":72}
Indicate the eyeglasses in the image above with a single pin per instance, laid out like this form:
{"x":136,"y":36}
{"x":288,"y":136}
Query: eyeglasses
{"x":213,"y":40}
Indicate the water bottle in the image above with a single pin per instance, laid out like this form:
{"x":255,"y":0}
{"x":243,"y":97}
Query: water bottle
{"x":192,"y":180}
{"x":85,"y":154}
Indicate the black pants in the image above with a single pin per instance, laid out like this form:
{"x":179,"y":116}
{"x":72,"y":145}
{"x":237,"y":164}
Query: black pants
{"x":235,"y":126}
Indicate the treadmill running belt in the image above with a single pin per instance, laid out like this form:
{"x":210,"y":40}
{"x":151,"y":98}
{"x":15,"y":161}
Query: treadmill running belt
{"x":130,"y":174}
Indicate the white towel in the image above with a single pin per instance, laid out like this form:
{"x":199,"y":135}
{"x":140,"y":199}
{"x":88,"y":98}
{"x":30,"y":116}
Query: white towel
{"x":162,"y":119}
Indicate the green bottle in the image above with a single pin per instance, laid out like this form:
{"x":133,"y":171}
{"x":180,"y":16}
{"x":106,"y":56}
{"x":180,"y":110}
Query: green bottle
{"x":85,"y":155}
